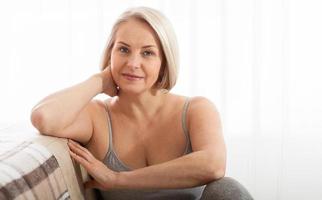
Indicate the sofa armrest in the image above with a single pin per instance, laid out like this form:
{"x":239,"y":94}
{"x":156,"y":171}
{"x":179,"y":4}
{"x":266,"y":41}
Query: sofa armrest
{"x":74,"y":174}
{"x":34,"y":166}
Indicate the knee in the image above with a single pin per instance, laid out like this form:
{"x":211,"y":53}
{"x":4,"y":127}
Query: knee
{"x":225,"y":188}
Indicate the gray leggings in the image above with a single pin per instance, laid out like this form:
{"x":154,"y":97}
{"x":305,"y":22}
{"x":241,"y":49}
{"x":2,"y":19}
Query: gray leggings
{"x":225,"y":189}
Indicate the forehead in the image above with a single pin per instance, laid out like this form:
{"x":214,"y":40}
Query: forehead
{"x":136,"y":32}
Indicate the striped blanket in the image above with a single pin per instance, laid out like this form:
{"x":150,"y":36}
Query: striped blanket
{"x":30,"y":171}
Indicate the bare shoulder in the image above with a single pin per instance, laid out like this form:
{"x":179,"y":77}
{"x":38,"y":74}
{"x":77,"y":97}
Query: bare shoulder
{"x":201,"y":104}
{"x":94,"y":110}
{"x":98,"y":113}
{"x":96,"y":106}
{"x":204,"y":125}
{"x":202,"y":110}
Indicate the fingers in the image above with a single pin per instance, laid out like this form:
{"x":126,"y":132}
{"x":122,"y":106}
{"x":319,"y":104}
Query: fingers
{"x":78,"y":150}
{"x":78,"y":146}
{"x":80,"y":160}
{"x":109,"y":86}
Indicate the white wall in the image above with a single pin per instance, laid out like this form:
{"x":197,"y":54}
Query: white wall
{"x":259,"y":61}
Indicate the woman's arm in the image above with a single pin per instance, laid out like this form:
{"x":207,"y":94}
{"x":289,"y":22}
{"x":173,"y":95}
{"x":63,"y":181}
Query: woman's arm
{"x":187,"y":171}
{"x":206,"y":163}
{"x":57,"y":112}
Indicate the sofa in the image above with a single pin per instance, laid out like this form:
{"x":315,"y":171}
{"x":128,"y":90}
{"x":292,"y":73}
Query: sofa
{"x":34,"y":166}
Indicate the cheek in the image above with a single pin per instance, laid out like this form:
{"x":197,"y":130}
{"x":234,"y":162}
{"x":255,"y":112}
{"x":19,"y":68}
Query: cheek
{"x":156,"y":70}
{"x":115,"y":62}
{"x":114,"y":67}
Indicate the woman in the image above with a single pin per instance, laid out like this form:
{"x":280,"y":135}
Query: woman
{"x":144,"y":142}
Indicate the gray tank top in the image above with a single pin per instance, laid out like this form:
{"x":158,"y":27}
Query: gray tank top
{"x":114,"y":163}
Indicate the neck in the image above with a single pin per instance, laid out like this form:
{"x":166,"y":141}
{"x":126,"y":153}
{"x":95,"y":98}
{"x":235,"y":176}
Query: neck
{"x":143,"y":107}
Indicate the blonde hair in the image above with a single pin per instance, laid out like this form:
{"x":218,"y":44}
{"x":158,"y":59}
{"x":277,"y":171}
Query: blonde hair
{"x":164,"y":30}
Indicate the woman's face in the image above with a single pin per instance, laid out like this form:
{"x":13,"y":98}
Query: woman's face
{"x":136,"y":57}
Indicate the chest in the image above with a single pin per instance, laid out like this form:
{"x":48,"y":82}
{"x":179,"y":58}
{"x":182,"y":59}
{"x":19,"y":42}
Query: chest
{"x":139,"y":145}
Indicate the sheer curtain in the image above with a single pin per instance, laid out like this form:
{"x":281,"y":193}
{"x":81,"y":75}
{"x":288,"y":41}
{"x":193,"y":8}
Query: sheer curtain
{"x":258,"y":60}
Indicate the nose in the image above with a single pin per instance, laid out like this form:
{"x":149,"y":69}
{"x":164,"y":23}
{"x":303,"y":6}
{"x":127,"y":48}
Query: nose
{"x":134,"y":61}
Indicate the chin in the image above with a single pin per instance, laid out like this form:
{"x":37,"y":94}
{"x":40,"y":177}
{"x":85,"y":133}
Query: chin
{"x":133,"y":90}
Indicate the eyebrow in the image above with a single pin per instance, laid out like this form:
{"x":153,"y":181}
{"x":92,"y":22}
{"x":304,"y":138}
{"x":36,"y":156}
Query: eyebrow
{"x":146,"y":46}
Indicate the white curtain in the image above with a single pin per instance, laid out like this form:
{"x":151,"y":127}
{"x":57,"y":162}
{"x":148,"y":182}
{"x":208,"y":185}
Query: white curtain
{"x":259,"y":61}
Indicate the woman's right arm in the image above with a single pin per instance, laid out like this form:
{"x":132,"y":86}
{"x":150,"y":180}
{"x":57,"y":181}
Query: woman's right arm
{"x":68,"y":113}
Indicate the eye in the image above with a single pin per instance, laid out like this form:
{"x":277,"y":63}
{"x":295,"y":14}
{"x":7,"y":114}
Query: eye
{"x":148,"y":53}
{"x":123,"y":49}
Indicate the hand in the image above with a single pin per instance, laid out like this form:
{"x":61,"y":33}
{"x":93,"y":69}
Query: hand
{"x":108,"y":84}
{"x":103,"y":176}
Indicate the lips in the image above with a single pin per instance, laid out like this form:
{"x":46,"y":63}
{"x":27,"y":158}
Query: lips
{"x":132,"y":76}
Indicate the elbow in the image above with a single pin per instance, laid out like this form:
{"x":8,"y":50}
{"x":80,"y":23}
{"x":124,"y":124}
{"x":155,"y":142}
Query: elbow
{"x":38,"y":120}
{"x":214,"y":174}
{"x":216,"y":170}
{"x":219,"y":173}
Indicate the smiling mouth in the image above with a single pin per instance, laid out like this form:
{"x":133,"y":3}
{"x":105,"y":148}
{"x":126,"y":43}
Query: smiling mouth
{"x":132,"y":77}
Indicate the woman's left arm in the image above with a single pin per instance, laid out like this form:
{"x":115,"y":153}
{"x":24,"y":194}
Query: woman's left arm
{"x":206,"y":163}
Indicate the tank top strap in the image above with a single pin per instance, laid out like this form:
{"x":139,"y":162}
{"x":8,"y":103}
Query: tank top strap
{"x":184,"y":125}
{"x":109,"y":121}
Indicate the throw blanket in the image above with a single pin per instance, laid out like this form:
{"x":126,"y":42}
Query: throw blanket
{"x":30,"y":171}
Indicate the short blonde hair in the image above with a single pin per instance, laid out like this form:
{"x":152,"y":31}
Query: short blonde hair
{"x":164,"y":30}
